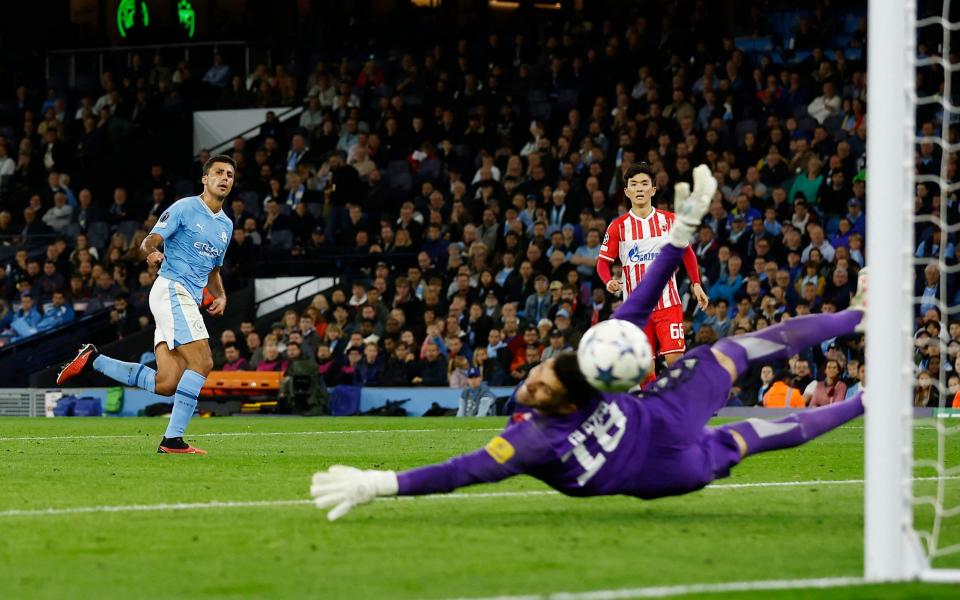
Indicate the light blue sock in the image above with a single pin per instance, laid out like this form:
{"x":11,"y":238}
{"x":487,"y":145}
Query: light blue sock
{"x":184,"y":403}
{"x":127,"y":373}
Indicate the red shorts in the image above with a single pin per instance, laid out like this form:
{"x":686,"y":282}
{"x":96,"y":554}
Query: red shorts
{"x":665,"y":331}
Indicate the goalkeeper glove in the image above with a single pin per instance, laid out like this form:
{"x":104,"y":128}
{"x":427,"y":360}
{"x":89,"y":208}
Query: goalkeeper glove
{"x":691,"y":207}
{"x":345,"y":487}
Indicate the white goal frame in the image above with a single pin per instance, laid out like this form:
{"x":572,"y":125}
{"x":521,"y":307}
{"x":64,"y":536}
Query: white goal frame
{"x":892,"y":549}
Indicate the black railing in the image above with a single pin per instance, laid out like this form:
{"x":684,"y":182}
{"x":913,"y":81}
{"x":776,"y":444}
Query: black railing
{"x":223,"y":144}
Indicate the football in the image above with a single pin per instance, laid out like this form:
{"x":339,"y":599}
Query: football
{"x":615,"y":355}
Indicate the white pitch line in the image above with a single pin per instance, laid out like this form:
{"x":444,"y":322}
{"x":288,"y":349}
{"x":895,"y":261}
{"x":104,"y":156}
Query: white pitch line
{"x":239,"y":433}
{"x":456,"y":496}
{"x":268,"y":433}
{"x":696,"y":588}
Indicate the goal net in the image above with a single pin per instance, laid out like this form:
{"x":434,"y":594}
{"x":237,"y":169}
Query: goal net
{"x":912,"y":493}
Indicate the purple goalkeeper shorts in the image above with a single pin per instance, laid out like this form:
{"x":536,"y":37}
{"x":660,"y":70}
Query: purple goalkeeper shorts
{"x":684,"y":454}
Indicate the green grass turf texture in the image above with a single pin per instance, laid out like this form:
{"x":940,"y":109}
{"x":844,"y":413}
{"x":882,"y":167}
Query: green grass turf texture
{"x":422,"y":548}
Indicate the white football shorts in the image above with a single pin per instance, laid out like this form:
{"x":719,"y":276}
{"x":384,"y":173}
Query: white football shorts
{"x":176,"y":313}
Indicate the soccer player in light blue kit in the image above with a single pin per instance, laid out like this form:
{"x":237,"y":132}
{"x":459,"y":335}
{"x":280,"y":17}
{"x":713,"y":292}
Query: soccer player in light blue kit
{"x":194,"y":233}
{"x":582,"y":442}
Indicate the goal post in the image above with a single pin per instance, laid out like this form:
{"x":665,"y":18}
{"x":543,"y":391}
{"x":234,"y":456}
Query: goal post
{"x":893,"y":548}
{"x":890,"y":553}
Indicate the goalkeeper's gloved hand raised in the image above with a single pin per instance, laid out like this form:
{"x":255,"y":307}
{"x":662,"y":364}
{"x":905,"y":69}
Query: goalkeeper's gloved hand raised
{"x":690,"y":207}
{"x":345,"y":487}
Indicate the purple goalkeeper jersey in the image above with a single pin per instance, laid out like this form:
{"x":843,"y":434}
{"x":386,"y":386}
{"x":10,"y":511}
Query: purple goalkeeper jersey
{"x":648,"y":446}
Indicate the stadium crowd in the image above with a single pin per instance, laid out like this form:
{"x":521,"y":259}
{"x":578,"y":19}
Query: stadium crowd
{"x":480,"y":176}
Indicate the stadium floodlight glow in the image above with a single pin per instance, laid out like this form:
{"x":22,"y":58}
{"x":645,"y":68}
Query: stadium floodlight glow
{"x":127,"y":15}
{"x":187,"y":17}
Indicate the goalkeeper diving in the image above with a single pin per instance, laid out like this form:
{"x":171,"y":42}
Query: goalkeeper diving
{"x":651,"y":444}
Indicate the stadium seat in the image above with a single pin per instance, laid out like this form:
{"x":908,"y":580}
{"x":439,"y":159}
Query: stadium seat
{"x":98,"y":234}
{"x":754,"y":44}
{"x":429,"y":169}
{"x":71,"y":231}
{"x":540,"y":111}
{"x":744,"y":127}
{"x":128,"y":228}
{"x":567,"y":99}
{"x":184,"y":187}
{"x":315,"y":209}
{"x":281,"y":240}
{"x":251,"y":202}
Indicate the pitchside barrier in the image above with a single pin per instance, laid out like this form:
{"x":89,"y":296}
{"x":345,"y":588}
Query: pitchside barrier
{"x":31,"y":402}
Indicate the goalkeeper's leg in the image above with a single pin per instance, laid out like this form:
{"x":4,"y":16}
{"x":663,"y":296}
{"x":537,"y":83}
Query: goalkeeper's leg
{"x":757,"y":435}
{"x":781,"y":341}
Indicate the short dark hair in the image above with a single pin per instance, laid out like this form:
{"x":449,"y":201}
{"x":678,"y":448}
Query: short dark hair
{"x":567,"y":369}
{"x":638,"y":169}
{"x":219,"y":158}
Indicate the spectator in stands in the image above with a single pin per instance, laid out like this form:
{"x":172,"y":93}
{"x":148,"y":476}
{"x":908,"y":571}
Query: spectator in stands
{"x":218,"y":75}
{"x":826,"y":105}
{"x":556,"y":345}
{"x":781,"y":394}
{"x":370,"y":369}
{"x":233,"y":361}
{"x":832,"y":388}
{"x":49,"y":282}
{"x":433,"y":371}
{"x":457,"y":372}
{"x":926,"y":394}
{"x":60,"y":214}
{"x":476,"y":400}
{"x":26,"y":318}
{"x":272,"y":360}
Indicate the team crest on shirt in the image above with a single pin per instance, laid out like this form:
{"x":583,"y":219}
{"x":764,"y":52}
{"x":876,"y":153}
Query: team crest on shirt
{"x":223,"y":236}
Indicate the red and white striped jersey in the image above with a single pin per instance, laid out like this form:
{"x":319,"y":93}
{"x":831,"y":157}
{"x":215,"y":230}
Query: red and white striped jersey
{"x":637,"y":242}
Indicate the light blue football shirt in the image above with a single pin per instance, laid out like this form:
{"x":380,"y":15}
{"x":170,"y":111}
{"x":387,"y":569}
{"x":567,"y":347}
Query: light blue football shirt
{"x":195,"y":241}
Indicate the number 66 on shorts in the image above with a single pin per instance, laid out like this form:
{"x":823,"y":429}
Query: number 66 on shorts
{"x":665,"y":331}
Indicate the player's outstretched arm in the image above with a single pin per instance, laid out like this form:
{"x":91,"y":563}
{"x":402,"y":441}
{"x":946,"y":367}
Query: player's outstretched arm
{"x":689,"y":208}
{"x":342,"y":488}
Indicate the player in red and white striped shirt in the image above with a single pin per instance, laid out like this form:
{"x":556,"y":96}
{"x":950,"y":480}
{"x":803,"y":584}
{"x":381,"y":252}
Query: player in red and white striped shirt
{"x":635,"y":239}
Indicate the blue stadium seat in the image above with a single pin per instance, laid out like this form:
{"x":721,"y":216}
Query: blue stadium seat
{"x":315,"y":209}
{"x":184,"y":187}
{"x":251,"y":202}
{"x":98,"y":234}
{"x":397,"y":167}
{"x":429,"y":169}
{"x":281,"y":240}
{"x":800,"y":56}
{"x":71,"y":231}
{"x":754,"y":44}
{"x":400,"y":186}
{"x":540,"y":111}
{"x":743,"y":127}
{"x":128,"y":228}
{"x":567,"y":99}
{"x":852,"y":21}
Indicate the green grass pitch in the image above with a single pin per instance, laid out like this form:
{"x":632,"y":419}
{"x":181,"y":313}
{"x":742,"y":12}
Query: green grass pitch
{"x":274,"y":544}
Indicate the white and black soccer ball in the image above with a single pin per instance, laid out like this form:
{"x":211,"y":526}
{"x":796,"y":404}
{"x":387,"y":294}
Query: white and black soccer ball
{"x":615,"y":355}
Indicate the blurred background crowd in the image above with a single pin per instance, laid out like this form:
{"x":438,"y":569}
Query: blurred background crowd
{"x":460,"y":184}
